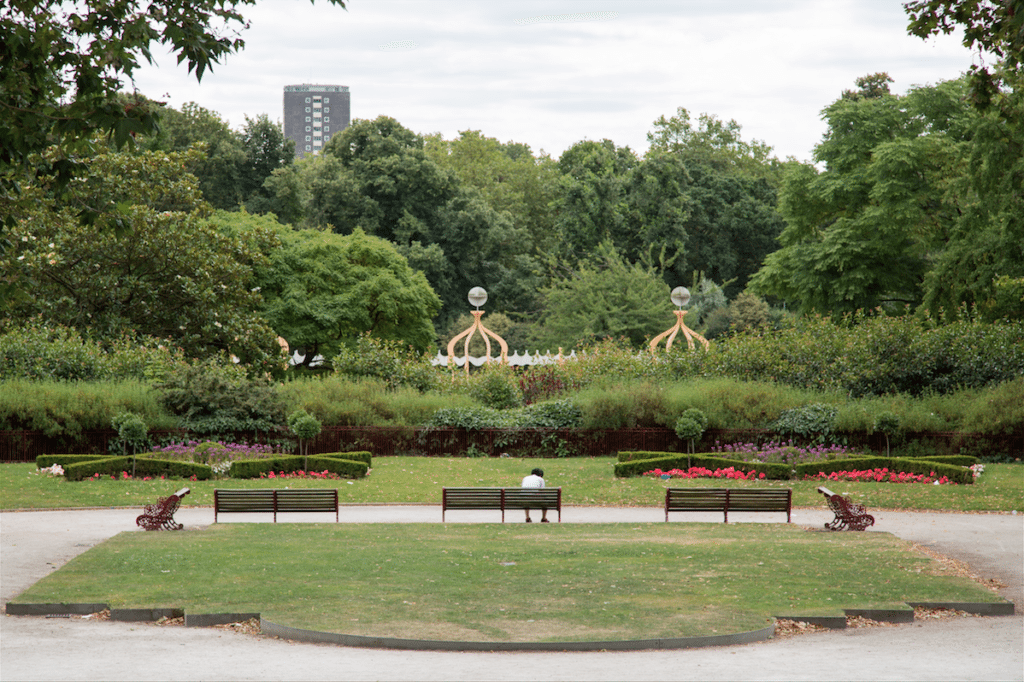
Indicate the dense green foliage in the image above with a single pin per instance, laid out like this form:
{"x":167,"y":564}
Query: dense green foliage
{"x":57,"y":353}
{"x":919,"y":203}
{"x":210,"y":399}
{"x":148,"y":267}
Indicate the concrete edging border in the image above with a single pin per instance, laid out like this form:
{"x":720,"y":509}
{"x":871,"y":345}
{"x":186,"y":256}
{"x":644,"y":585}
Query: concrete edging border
{"x":269,"y":628}
{"x":296,"y":634}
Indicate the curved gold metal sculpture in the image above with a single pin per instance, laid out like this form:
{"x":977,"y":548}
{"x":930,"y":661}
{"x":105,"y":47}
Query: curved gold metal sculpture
{"x":679,"y":326}
{"x":484,"y":332}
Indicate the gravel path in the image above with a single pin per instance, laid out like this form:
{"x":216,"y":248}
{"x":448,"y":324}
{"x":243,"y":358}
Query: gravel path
{"x":991,"y":546}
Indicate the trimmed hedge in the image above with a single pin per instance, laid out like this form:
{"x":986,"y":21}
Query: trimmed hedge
{"x":956,"y":460}
{"x":348,"y":468}
{"x":104,"y":466}
{"x":253,"y":468}
{"x":924,"y":467}
{"x":47,"y":461}
{"x":638,"y":467}
{"x":364,"y":456}
{"x":144,"y":466}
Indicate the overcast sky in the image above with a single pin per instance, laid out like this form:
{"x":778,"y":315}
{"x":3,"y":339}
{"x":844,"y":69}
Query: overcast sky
{"x":550,"y":73}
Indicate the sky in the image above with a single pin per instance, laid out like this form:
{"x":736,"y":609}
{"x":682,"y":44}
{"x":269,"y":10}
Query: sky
{"x":551,"y":73}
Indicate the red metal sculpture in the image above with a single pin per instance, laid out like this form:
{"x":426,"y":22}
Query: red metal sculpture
{"x":160,"y":516}
{"x":849,"y":515}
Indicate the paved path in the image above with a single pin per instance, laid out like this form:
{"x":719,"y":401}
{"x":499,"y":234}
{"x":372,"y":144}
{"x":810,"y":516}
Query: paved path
{"x":32,"y":648}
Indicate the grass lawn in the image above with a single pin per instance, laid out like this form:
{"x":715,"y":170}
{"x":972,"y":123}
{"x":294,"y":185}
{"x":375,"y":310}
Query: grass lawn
{"x":585,"y":481}
{"x":494,"y":582}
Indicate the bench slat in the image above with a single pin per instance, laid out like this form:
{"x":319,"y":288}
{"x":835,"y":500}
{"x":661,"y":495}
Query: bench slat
{"x":500,"y":498}
{"x":265,"y":500}
{"x":728,"y":499}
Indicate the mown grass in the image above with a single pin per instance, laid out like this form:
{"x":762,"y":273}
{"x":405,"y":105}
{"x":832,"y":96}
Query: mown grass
{"x":585,"y":481}
{"x":494,"y":582}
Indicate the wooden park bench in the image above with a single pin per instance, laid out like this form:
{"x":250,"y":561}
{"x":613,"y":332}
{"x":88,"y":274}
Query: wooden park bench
{"x":849,"y":515}
{"x":726,"y":500}
{"x":501,"y":498}
{"x":160,"y":516}
{"x":275,"y":501}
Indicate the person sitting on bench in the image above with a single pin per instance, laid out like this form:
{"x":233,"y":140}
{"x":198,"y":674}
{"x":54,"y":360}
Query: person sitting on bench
{"x":536,"y":480}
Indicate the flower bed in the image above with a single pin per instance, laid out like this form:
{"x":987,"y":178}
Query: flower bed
{"x":783,"y":452}
{"x":325,"y":474}
{"x":704,"y":472}
{"x":881,"y":475}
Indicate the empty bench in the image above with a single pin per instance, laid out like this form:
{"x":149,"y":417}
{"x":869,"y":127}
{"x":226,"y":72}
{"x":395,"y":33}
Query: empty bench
{"x":273,"y":501}
{"x":726,"y":500}
{"x":501,"y":498}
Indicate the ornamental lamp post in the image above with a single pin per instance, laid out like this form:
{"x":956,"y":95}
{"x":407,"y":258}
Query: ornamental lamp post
{"x":477,"y":297}
{"x":680,"y":297}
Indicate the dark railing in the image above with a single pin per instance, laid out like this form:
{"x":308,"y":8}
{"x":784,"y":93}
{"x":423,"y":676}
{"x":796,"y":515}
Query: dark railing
{"x":25,"y":446}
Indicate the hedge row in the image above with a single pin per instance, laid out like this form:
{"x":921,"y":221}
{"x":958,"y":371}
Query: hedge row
{"x":665,"y":461}
{"x":925,"y":467}
{"x":638,"y":462}
{"x":254,"y":468}
{"x":143,"y":467}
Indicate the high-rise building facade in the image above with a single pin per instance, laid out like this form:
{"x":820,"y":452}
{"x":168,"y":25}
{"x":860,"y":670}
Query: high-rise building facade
{"x":313,"y":113}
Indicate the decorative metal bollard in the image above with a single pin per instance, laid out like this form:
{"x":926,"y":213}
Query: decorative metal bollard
{"x":160,"y":516}
{"x":849,"y":515}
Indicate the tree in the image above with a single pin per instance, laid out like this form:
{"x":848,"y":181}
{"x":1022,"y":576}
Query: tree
{"x":604,"y":297}
{"x":266,"y":150}
{"x":323,"y":290}
{"x":62,"y":66}
{"x":996,"y":27}
{"x":714,"y":143}
{"x":151,"y":266}
{"x":864,"y":232}
{"x":507,"y":175}
{"x":222,"y":161}
{"x":592,"y":205}
{"x":375,"y":175}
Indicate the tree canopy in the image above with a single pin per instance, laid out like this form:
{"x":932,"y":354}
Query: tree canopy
{"x":323,"y":290}
{"x":150,"y":266}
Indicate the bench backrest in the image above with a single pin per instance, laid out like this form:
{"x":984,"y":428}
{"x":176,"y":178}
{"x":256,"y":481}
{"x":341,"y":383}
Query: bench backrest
{"x":471,"y":498}
{"x":275,"y":500}
{"x":726,"y":500}
{"x":532,"y":498}
{"x":695,"y":499}
{"x":741,"y":499}
{"x":243,"y":500}
{"x":311,"y":500}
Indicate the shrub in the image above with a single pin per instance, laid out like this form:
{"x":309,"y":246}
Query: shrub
{"x":496,"y":386}
{"x":622,"y":406}
{"x":688,"y":429}
{"x":469,"y":418}
{"x":364,"y":456}
{"x":106,"y":466}
{"x":553,"y":414}
{"x":887,"y":423}
{"x":47,"y":461}
{"x":210,"y":398}
{"x":392,"y":362}
{"x":665,"y":460}
{"x":812,"y":423}
{"x":56,"y":353}
{"x":254,"y":468}
{"x":64,"y":410}
{"x":305,"y":427}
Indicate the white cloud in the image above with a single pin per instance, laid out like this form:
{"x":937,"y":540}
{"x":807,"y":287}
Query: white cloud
{"x":771,"y":65}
